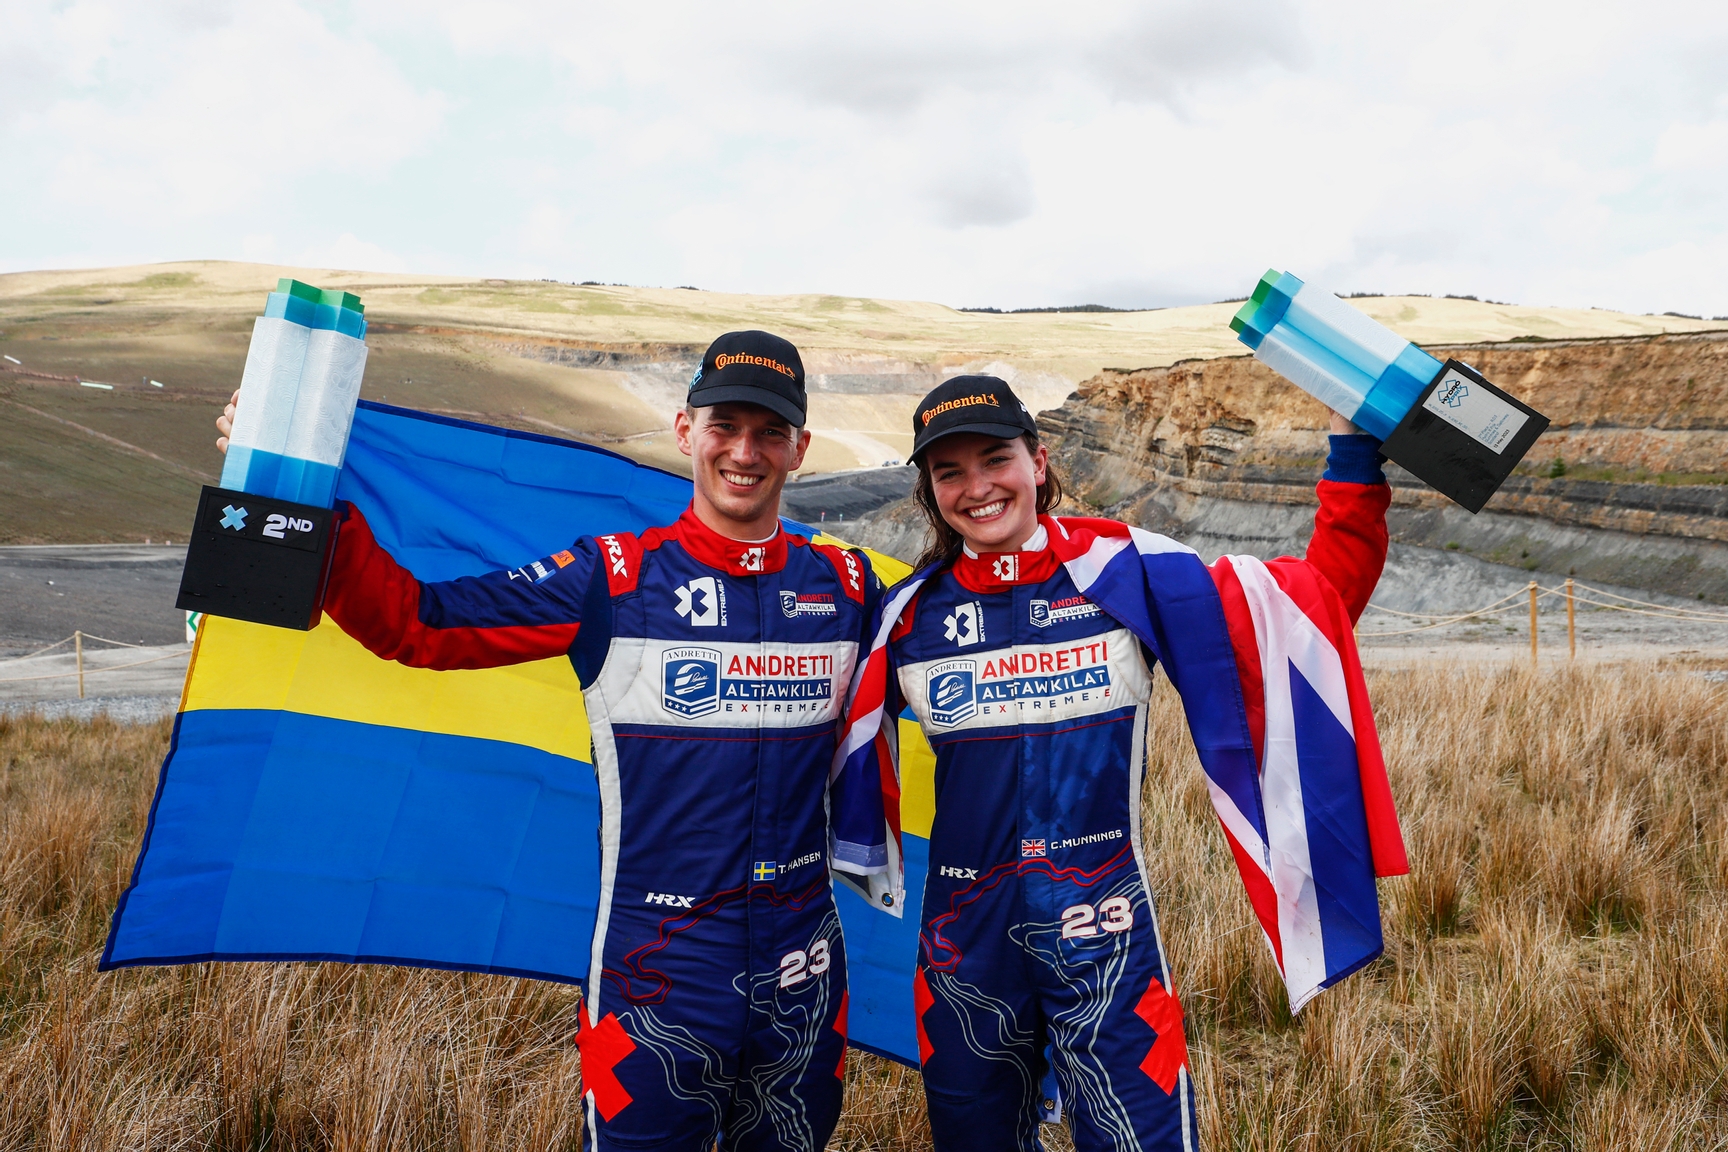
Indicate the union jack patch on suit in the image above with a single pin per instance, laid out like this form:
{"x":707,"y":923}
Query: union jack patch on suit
{"x":1032,"y":848}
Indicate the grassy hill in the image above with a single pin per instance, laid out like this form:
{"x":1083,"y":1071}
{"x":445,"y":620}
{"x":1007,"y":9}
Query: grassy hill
{"x":594,"y":362}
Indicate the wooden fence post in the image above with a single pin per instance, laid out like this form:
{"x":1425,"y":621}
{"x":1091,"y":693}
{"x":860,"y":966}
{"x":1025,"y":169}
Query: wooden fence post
{"x":1571,"y":623}
{"x":1532,"y":625}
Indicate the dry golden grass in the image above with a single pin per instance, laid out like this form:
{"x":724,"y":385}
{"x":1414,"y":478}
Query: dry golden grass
{"x":1556,"y":972}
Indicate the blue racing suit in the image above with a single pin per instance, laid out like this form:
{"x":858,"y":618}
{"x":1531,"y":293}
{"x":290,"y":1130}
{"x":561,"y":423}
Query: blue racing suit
{"x":714,"y":673}
{"x":1039,"y":928}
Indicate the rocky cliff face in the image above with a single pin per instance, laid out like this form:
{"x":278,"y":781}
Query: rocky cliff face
{"x":1629,"y":485}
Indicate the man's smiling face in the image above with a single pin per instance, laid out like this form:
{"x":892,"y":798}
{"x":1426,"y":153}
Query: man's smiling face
{"x":741,"y":455}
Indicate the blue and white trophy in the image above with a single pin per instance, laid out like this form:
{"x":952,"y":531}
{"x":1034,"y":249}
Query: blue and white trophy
{"x":1443,"y":422}
{"x":261,"y":544}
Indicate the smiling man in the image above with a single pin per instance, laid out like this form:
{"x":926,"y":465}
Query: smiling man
{"x":714,"y":656}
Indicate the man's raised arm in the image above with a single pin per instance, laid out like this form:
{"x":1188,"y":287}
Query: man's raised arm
{"x":528,"y":613}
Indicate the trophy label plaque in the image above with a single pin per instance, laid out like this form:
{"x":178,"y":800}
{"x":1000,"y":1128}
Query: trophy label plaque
{"x":1464,"y":436}
{"x":1472,"y":405}
{"x":258,"y":559}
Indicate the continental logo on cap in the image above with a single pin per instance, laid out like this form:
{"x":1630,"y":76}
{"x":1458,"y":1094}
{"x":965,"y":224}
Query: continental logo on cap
{"x":957,"y":402}
{"x":760,"y":361}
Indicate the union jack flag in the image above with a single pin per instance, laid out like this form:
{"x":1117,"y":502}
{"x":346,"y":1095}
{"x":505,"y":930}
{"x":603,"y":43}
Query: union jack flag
{"x":1032,"y":848}
{"x":1295,"y":771}
{"x":1293,"y":767}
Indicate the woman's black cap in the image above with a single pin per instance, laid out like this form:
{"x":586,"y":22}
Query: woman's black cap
{"x":982,"y":404}
{"x":752,"y":368}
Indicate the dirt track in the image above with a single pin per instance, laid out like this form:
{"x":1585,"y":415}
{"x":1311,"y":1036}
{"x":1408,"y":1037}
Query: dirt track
{"x":124,"y":592}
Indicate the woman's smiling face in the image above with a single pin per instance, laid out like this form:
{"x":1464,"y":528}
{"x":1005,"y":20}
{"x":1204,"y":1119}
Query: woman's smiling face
{"x":987,"y":488}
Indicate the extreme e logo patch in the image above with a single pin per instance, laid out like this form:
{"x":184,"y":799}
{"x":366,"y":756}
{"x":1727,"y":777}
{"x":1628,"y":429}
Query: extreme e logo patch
{"x":700,"y":681}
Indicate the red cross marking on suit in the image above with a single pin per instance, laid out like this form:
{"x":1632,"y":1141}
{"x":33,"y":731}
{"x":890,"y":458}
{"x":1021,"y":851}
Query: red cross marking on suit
{"x":921,"y":1002}
{"x":1169,"y":1054}
{"x":602,"y":1046}
{"x":840,"y":1027}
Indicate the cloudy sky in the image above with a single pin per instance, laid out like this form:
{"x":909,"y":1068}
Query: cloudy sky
{"x":1000,"y":153}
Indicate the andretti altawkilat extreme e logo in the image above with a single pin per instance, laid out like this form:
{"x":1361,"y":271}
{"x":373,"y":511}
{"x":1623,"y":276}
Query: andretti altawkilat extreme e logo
{"x":699,"y":681}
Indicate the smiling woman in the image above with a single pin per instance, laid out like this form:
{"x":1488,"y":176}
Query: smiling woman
{"x":1026,"y":653}
{"x":983,"y":477}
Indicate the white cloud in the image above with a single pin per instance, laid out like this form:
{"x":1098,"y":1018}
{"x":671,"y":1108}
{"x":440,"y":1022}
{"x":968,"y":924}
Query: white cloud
{"x":974,"y":170}
{"x":1693,"y":147}
{"x":350,"y":253}
{"x":1003,"y":153}
{"x":185,"y":109}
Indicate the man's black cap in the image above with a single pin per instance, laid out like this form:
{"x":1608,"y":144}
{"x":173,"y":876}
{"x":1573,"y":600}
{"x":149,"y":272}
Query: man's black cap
{"x":752,"y":368}
{"x":982,"y":404}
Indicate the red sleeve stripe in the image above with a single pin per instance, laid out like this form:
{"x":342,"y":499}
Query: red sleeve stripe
{"x":621,"y":553}
{"x":847,"y":567}
{"x":377,"y":601}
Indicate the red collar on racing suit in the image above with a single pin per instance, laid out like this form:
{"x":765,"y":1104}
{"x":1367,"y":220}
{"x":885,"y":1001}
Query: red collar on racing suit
{"x":734,"y":557}
{"x":999,"y":571}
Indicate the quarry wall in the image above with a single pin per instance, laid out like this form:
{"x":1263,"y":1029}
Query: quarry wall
{"x":1224,"y":454}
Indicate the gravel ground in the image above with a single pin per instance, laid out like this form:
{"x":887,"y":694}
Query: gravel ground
{"x":155,"y":672}
{"x":121,"y":592}
{"x":124,"y":592}
{"x":1423,"y":580}
{"x":833,"y":498}
{"x":120,"y":709}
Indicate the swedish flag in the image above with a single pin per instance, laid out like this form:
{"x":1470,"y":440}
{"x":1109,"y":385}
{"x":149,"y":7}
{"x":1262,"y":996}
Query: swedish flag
{"x":318,"y":803}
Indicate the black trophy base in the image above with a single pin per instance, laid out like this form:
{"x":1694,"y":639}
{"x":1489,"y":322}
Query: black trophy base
{"x":1463,"y":436}
{"x":257,"y":559}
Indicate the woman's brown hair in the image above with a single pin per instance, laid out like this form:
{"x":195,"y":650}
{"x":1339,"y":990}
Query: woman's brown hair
{"x":945,"y":543}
